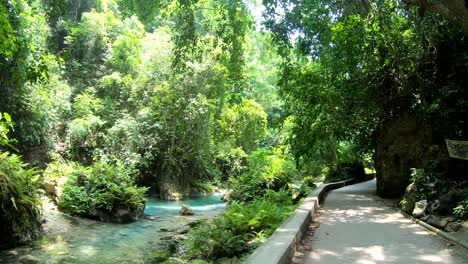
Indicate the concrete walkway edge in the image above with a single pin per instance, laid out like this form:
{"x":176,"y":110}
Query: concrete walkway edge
{"x":439,"y":232}
{"x":280,"y":247}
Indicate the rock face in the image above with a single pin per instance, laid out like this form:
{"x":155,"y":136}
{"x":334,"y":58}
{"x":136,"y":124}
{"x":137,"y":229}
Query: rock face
{"x":172,"y":192}
{"x":120,"y":215}
{"x":403,"y":143}
{"x":420,"y":209}
{"x":449,"y":200}
{"x":410,"y":197}
{"x":185,"y":210}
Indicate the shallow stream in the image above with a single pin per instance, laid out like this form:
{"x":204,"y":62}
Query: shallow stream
{"x":88,"y":241}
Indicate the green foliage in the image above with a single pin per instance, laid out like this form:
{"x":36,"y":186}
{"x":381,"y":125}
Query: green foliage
{"x":461,"y":210}
{"x":6,"y":124}
{"x":267,"y":170}
{"x":345,"y":171}
{"x":58,"y":169}
{"x":230,"y":161}
{"x":246,"y":123}
{"x":429,"y":183}
{"x":19,"y":201}
{"x":160,"y":256}
{"x":104,"y":186}
{"x":83,"y":136}
{"x":232,"y":232}
{"x":308,"y":181}
{"x":124,"y":140}
{"x":388,"y":65}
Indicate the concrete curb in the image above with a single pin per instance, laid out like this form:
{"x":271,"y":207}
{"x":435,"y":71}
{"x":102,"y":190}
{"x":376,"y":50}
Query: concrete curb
{"x":280,"y":247}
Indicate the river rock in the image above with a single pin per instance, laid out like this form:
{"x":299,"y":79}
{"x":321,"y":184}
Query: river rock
{"x":29,"y":259}
{"x":453,"y":227}
{"x":419,"y":208}
{"x":194,"y":223}
{"x":226,"y":196}
{"x":50,"y":188}
{"x":436,"y":221}
{"x":185,"y":210}
{"x":13,"y":253}
{"x":179,"y":238}
{"x":151,"y":217}
{"x":183,"y":230}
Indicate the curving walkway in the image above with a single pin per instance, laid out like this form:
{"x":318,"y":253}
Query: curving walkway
{"x":355,"y":226}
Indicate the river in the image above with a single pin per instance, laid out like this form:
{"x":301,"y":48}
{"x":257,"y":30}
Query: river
{"x":87,"y":241}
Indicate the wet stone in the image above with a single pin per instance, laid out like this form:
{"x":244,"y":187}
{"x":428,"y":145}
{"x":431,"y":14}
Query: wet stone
{"x":29,"y":259}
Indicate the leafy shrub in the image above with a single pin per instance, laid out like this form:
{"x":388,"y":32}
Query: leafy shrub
{"x":103,"y":187}
{"x":237,"y":229}
{"x":345,"y":171}
{"x":19,"y":202}
{"x":230,"y":161}
{"x":202,"y":188}
{"x":6,"y":124}
{"x":309,"y":181}
{"x":461,"y":210}
{"x":245,"y":122}
{"x":426,"y":181}
{"x":267,"y":170}
{"x":83,"y":137}
{"x":124,"y":140}
{"x":58,"y":169}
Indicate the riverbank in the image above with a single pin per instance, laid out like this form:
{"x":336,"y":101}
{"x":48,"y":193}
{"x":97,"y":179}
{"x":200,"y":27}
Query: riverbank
{"x":68,"y":239}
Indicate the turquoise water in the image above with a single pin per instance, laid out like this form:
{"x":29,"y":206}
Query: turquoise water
{"x":97,"y":242}
{"x":170,"y":208}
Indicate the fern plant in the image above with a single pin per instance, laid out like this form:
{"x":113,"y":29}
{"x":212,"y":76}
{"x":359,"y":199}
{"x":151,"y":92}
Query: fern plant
{"x":19,"y":202}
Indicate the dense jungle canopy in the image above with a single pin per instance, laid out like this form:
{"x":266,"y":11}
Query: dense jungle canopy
{"x":158,"y":97}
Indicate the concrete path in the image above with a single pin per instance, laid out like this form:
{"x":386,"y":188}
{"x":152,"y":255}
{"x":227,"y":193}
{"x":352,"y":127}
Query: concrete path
{"x":355,"y":226}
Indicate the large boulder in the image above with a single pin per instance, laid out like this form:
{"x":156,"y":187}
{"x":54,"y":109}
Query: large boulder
{"x":185,"y":210}
{"x":449,"y":200}
{"x":403,"y":142}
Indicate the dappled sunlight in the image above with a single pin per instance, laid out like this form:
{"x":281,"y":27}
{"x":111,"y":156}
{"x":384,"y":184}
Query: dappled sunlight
{"x":362,"y":229}
{"x":430,"y":258}
{"x":374,"y":253}
{"x":87,"y":250}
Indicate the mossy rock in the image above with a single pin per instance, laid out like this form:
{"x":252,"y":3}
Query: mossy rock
{"x":159,"y":256}
{"x":199,"y":261}
{"x":172,"y":261}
